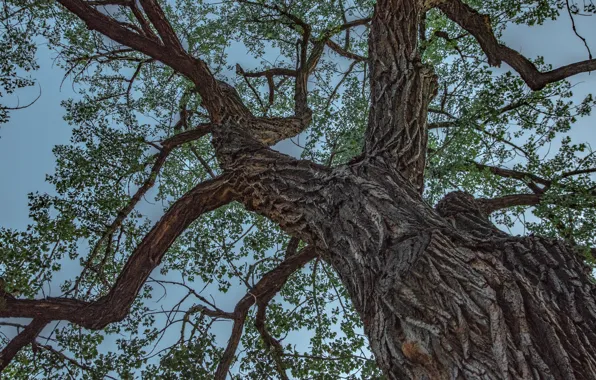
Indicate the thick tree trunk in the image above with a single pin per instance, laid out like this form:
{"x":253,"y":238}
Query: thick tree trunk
{"x":442,"y":293}
{"x":496,"y":307}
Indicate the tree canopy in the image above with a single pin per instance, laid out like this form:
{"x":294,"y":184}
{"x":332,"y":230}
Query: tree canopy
{"x":232,"y":292}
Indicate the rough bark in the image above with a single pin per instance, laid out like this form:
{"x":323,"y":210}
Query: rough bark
{"x":442,"y":293}
{"x":401,"y":89}
{"x":497,"y":307}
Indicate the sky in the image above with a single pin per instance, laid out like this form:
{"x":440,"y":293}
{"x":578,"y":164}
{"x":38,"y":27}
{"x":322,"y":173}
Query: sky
{"x":26,"y":141}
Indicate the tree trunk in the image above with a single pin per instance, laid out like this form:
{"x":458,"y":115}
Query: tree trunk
{"x":471,"y":307}
{"x":401,"y":88}
{"x":442,"y":293}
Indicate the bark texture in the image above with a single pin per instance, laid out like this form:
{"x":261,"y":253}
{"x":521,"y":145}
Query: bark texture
{"x":442,"y":293}
{"x":497,"y":307}
{"x":401,"y":89}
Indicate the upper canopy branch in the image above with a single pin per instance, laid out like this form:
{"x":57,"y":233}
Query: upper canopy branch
{"x":221,"y":100}
{"x":479,"y":26}
{"x":490,"y":205}
{"x":164,"y":29}
{"x":401,"y":89}
{"x":514,"y":174}
{"x":307,"y":62}
{"x":168,"y":51}
{"x":343,"y":52}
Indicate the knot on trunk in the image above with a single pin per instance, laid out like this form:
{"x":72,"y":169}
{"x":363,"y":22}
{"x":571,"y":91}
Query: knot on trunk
{"x":464,"y":212}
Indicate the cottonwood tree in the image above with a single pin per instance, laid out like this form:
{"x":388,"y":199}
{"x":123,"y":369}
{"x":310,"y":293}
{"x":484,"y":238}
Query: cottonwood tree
{"x":358,"y":260}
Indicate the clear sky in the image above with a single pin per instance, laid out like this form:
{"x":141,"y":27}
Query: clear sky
{"x":26,"y":141}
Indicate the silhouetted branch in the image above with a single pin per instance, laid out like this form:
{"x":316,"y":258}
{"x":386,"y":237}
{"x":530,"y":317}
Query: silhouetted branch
{"x":269,"y":285}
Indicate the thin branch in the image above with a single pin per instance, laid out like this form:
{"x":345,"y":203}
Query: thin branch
{"x":344,"y":77}
{"x":343,"y":52}
{"x":575,"y":30}
{"x":266,"y":73}
{"x":63,"y":357}
{"x":577,"y":172}
{"x":515,"y":174}
{"x":269,"y":285}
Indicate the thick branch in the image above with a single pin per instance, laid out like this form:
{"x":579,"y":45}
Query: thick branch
{"x":167,"y":146}
{"x":24,"y":338}
{"x":164,"y":29}
{"x":479,"y":26}
{"x":401,"y":89}
{"x":271,"y":344}
{"x":491,"y":205}
{"x":113,"y":307}
{"x":170,"y":54}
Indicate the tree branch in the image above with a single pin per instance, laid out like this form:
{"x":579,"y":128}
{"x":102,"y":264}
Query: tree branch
{"x":397,"y":130}
{"x":515,"y":174}
{"x":114,"y":306}
{"x":171,"y":54}
{"x":266,"y":73}
{"x":479,"y":26}
{"x":343,"y":52}
{"x":163,"y":27}
{"x":269,"y":285}
{"x":24,"y":338}
{"x":271,"y":344}
{"x":167,"y":146}
{"x":491,"y":205}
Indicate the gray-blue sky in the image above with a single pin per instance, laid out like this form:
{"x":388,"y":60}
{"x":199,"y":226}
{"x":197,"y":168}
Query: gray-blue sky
{"x":27,"y":140}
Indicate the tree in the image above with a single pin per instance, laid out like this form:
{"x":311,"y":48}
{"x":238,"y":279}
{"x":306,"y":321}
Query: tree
{"x":346,"y":237}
